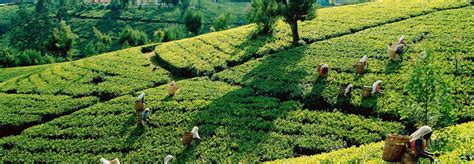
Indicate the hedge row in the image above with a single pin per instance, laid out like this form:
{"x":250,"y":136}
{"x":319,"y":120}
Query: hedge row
{"x":212,"y":52}
{"x":234,"y":124}
{"x":292,"y":74}
{"x":105,"y":76}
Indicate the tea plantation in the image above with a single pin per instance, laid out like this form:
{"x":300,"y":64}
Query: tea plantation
{"x":254,"y":98}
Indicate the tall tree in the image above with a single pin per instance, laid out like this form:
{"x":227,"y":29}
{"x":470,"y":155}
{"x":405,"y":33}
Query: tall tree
{"x":264,"y":13}
{"x":428,"y":101}
{"x":41,"y":6}
{"x":62,"y":40}
{"x":193,"y":21}
{"x":102,"y":41}
{"x":297,"y":10}
{"x":62,"y":11}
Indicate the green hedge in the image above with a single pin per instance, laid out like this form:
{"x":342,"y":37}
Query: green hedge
{"x":292,"y":74}
{"x":212,"y":52}
{"x":234,"y":124}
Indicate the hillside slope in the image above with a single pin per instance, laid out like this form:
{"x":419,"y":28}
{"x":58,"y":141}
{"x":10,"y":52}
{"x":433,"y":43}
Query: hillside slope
{"x":209,"y":53}
{"x":263,"y":109}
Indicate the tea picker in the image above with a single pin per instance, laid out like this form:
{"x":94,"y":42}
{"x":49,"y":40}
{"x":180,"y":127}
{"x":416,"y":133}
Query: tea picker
{"x":323,"y":70}
{"x":172,"y":88}
{"x":395,"y":49}
{"x":188,"y":136}
{"x":419,"y":140}
{"x":345,"y":91}
{"x":362,"y":65}
{"x":146,"y":116}
{"x":140,"y":107}
{"x":167,"y":159}
{"x":105,"y":161}
{"x":376,"y":87}
{"x":406,"y":149}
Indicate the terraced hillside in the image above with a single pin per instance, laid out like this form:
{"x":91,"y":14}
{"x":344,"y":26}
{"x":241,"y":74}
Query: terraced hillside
{"x":264,"y":109}
{"x":212,"y":52}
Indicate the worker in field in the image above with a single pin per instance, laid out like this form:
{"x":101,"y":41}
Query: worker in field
{"x":419,"y":140}
{"x":139,"y":108}
{"x":172,"y":88}
{"x":146,"y":116}
{"x":377,"y":87}
{"x":395,"y":49}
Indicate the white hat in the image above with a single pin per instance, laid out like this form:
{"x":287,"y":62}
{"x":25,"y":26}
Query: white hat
{"x":141,"y":96}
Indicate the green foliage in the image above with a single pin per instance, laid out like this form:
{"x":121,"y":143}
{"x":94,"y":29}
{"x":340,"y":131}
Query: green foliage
{"x":30,"y":31}
{"x":233,"y":123}
{"x":106,"y":76}
{"x":238,"y":45}
{"x":62,"y":40}
{"x":264,"y":13}
{"x":19,"y":109}
{"x":90,"y":49}
{"x":428,"y":101}
{"x":174,"y":32}
{"x":158,"y":36}
{"x":10,"y":57}
{"x":184,"y":5}
{"x":292,"y":74}
{"x":103,"y":41}
{"x":132,"y":37}
{"x":8,"y":73}
{"x":7,"y":57}
{"x":193,"y":21}
{"x":222,"y":22}
{"x":30,"y":57}
{"x":294,"y":11}
{"x":41,"y":6}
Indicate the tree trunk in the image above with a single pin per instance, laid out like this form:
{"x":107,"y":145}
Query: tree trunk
{"x":294,"y":31}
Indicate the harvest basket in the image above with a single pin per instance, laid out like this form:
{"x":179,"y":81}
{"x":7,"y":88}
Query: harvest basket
{"x":391,"y":51}
{"x":139,"y":108}
{"x":187,"y":137}
{"x":409,"y":157}
{"x":172,"y":90}
{"x":115,"y":161}
{"x":366,"y":91}
{"x":360,"y":68}
{"x":394,"y":148}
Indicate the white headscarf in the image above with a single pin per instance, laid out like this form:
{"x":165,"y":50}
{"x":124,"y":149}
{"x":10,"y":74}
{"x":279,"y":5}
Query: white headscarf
{"x":364,"y":59}
{"x":420,"y":133}
{"x":348,"y":89}
{"x":168,"y":158}
{"x":374,"y":86}
{"x":141,"y":96}
{"x":195,"y":132}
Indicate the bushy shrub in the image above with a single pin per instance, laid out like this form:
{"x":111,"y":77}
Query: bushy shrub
{"x":7,"y":57}
{"x":62,"y":40}
{"x":174,"y":32}
{"x":102,"y":41}
{"x":132,"y":37}
{"x":222,"y":22}
{"x":193,"y":21}
{"x":158,"y":35}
